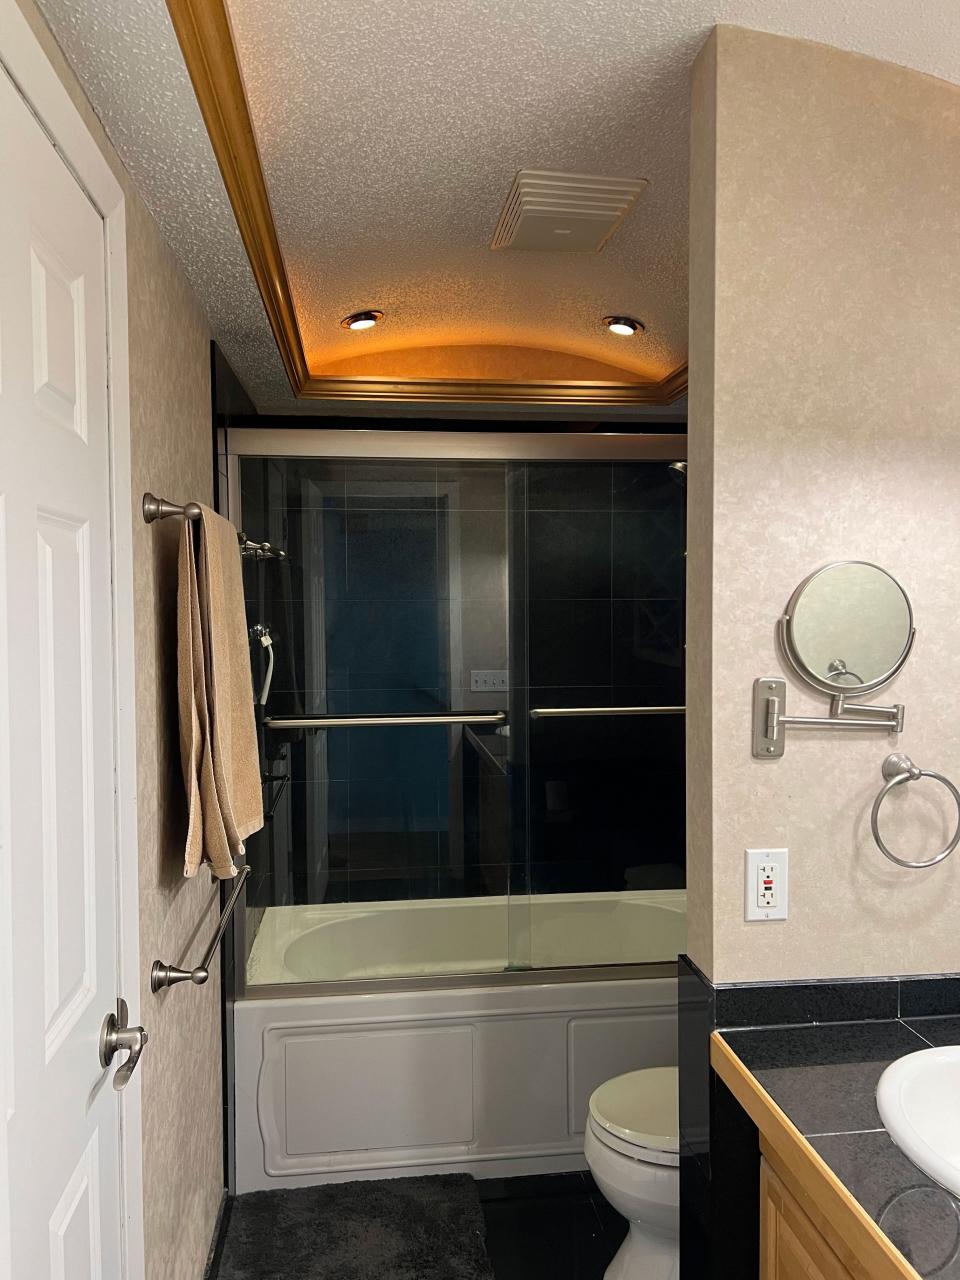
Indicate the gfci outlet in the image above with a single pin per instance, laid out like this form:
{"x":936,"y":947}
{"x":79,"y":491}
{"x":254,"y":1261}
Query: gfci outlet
{"x":765,"y":884}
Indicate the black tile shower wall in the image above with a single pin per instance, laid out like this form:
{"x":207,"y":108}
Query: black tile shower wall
{"x":597,"y":575}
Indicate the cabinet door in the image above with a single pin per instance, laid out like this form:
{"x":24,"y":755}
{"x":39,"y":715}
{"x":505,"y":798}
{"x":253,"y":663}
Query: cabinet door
{"x":791,"y":1247}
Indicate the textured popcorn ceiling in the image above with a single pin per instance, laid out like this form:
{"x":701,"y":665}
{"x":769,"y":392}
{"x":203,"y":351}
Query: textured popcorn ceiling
{"x":391,"y":130}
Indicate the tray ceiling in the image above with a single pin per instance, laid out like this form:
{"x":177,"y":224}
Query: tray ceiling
{"x":389,"y":134}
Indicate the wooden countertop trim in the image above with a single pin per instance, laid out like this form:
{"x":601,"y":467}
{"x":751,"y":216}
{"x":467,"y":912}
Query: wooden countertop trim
{"x":860,"y":1244}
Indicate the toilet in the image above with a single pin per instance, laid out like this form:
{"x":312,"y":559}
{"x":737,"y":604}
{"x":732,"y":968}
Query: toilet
{"x":632,"y":1147}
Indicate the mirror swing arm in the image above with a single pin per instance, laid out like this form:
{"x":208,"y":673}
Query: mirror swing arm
{"x":769,"y":720}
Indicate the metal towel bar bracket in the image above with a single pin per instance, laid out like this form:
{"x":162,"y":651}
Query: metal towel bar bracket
{"x":155,"y":508}
{"x":898,"y":769}
{"x":168,"y":975}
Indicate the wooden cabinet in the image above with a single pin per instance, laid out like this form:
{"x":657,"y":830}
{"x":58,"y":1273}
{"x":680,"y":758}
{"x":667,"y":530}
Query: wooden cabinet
{"x":791,"y":1247}
{"x":811,"y":1227}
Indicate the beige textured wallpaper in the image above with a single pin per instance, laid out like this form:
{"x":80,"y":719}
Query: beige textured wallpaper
{"x":824,"y":424}
{"x":172,"y":455}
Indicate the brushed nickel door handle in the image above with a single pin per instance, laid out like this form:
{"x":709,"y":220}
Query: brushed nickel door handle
{"x":116,"y":1037}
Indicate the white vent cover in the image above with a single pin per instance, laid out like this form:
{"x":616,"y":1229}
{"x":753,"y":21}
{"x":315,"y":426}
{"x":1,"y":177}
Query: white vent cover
{"x":575,"y":212}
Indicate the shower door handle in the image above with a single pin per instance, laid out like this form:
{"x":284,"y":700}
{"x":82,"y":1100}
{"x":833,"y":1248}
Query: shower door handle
{"x":544,"y":713}
{"x":388,"y":718}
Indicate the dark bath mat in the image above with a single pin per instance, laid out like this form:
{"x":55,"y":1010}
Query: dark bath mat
{"x":391,"y":1229}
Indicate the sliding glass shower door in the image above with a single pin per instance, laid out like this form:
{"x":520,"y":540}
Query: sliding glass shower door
{"x":389,"y":715}
{"x":472,"y":739}
{"x":597,"y":570}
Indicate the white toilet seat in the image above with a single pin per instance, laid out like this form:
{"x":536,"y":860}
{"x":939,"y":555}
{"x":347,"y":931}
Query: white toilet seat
{"x":636,"y":1114}
{"x":633,"y":1150}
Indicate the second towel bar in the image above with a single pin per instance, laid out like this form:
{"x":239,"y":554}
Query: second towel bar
{"x":168,"y":975}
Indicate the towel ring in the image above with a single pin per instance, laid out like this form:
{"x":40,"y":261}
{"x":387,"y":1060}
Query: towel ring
{"x":898,"y":769}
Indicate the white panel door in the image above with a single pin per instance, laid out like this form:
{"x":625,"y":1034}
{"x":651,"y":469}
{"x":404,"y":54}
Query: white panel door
{"x":58,"y":846}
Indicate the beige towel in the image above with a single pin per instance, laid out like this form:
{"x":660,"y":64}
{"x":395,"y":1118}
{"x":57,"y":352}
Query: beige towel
{"x":218,"y":742}
{"x":206,"y":836}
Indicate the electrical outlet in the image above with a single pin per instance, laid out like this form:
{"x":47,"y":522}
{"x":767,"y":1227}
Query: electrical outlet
{"x":485,"y":681}
{"x":765,"y":884}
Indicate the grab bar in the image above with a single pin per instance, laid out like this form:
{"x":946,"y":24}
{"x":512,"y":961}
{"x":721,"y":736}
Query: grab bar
{"x":543,"y":713}
{"x":364,"y":722}
{"x":167,"y":975}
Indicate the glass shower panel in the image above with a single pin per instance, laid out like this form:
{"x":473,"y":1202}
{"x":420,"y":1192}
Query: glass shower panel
{"x":387,"y":847}
{"x":598,"y":568}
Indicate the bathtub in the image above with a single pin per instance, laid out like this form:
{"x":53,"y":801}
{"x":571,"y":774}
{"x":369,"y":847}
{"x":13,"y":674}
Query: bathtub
{"x":483,"y":1073}
{"x":450,"y":936}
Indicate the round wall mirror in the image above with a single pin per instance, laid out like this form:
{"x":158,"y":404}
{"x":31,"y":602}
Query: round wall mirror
{"x":848,"y":628}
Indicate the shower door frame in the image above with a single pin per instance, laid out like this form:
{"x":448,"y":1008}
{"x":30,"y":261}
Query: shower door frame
{"x":241,"y":440}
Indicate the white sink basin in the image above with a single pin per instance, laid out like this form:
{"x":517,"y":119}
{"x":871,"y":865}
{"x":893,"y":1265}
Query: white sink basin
{"x":918,"y":1098}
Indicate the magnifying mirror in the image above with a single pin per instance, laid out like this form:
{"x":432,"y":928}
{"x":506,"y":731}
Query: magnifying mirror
{"x":848,"y":628}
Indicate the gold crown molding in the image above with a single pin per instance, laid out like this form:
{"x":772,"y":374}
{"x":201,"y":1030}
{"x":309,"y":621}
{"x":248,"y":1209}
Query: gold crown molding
{"x":203,"y":30}
{"x":498,"y":391}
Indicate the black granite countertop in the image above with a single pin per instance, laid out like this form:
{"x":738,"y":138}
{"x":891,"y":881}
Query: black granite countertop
{"x":824,"y":1077}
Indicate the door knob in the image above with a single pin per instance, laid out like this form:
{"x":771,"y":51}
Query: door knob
{"x":117,"y":1037}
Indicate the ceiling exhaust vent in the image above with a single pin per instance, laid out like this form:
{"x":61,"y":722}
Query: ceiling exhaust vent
{"x":575,"y":212}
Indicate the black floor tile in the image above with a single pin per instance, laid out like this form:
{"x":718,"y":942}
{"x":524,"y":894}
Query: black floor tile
{"x":555,"y":1227}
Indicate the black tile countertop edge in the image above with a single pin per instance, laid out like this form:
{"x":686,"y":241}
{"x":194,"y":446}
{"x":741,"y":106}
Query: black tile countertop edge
{"x":824,"y":1078}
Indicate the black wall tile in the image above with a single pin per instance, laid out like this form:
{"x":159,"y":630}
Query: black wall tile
{"x":646,"y":486}
{"x":568,"y":555}
{"x":558,"y":486}
{"x":647,"y":643}
{"x":569,"y":642}
{"x":696,"y":1021}
{"x":767,"y":1004}
{"x":924,"y":997}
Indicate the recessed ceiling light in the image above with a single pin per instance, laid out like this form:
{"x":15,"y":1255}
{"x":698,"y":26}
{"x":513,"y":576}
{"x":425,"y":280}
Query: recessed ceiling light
{"x":623,"y":326}
{"x":361,"y":320}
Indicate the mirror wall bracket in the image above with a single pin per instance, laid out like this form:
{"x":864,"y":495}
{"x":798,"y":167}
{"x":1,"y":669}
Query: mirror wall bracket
{"x":770,"y":719}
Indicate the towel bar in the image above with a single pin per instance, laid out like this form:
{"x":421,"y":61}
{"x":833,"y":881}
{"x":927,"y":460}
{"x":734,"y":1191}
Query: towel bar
{"x":167,"y":975}
{"x":155,"y":508}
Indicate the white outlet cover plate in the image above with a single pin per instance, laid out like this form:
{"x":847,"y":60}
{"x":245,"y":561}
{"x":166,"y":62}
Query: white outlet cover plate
{"x":753,"y":860}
